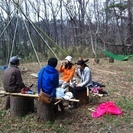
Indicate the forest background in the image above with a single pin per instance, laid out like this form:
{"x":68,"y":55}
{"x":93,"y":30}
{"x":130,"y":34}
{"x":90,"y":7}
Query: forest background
{"x":79,"y":27}
{"x":38,"y":29}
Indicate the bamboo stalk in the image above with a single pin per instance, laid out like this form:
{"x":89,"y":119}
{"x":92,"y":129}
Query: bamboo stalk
{"x":19,"y":94}
{"x":32,"y":95}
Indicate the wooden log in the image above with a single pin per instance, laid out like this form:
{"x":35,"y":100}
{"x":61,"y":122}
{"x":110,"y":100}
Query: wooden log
{"x":111,"y":60}
{"x":20,"y":106}
{"x":83,"y":98}
{"x":45,"y":112}
{"x":7,"y":103}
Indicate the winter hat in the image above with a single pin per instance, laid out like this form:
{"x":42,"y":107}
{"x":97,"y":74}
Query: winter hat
{"x":14,"y":60}
{"x":52,"y":62}
{"x":69,"y":58}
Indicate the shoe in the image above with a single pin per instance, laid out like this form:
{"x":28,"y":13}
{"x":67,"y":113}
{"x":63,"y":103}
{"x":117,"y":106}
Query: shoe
{"x":71,"y":107}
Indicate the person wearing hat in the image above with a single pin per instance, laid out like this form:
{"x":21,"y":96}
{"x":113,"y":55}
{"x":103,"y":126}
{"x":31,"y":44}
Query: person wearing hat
{"x":48,"y":78}
{"x":12,"y":79}
{"x":67,"y":69}
{"x":84,"y":74}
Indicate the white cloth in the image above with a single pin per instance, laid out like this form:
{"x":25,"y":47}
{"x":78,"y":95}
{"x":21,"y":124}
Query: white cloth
{"x":68,"y":95}
{"x":60,"y":92}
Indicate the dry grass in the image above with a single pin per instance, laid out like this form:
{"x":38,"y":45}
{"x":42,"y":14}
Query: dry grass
{"x":118,"y":78}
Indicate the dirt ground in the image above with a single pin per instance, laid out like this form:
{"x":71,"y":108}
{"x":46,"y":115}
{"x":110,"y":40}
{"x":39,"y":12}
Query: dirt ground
{"x":118,"y":79}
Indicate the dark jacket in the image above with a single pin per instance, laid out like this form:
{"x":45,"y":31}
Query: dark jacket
{"x":12,"y":79}
{"x":48,"y":80}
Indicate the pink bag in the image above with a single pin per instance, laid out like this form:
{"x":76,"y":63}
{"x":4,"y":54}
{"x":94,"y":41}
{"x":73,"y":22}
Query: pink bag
{"x":106,"y":108}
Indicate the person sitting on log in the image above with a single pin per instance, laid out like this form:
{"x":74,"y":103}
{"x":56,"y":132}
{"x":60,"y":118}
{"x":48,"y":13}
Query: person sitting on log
{"x":12,"y":79}
{"x":48,"y":81}
{"x":67,"y":69}
{"x":84,"y":74}
{"x":48,"y":78}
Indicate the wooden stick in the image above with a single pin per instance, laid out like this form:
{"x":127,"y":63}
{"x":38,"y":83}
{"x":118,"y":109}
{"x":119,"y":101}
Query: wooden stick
{"x":91,"y":109}
{"x":96,"y":94}
{"x":19,"y":94}
{"x":32,"y":95}
{"x":34,"y":74}
{"x":57,"y":102}
{"x":88,"y":91}
{"x":73,"y":100}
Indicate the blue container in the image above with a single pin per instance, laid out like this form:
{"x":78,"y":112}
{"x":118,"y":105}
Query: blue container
{"x":3,"y":68}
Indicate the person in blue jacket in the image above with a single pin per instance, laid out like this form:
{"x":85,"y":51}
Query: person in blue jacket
{"x":48,"y":78}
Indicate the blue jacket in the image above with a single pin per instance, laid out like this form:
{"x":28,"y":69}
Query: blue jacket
{"x":49,"y":78}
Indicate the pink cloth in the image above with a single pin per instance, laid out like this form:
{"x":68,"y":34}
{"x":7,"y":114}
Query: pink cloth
{"x":106,"y":108}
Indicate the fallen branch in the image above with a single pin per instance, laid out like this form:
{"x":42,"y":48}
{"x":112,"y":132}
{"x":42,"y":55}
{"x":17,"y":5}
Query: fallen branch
{"x":91,"y":109}
{"x":96,"y":94}
{"x":57,"y":102}
{"x":107,"y":72}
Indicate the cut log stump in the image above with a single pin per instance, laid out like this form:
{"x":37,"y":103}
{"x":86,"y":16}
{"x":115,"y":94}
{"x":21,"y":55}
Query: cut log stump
{"x":7,"y":103}
{"x":84,"y":99}
{"x":45,"y":112}
{"x":111,"y":60}
{"x":20,"y":106}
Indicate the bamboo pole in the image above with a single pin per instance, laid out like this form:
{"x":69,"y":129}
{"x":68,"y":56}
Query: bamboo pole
{"x":33,"y":95}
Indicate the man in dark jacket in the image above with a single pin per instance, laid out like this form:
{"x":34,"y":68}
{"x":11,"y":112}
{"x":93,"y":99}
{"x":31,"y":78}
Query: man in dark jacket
{"x":48,"y":78}
{"x":12,"y":80}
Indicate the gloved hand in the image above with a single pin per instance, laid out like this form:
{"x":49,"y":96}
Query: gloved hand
{"x":24,"y":90}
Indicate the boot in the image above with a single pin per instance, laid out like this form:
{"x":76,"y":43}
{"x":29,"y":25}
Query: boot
{"x":73,"y":106}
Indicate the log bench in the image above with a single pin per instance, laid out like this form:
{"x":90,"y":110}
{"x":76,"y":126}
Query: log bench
{"x":22,"y":104}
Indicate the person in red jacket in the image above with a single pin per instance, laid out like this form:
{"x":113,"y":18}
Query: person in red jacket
{"x":67,"y":69}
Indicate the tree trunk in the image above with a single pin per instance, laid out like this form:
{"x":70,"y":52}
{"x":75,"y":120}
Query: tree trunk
{"x":45,"y":112}
{"x":20,"y":106}
{"x":111,"y":60}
